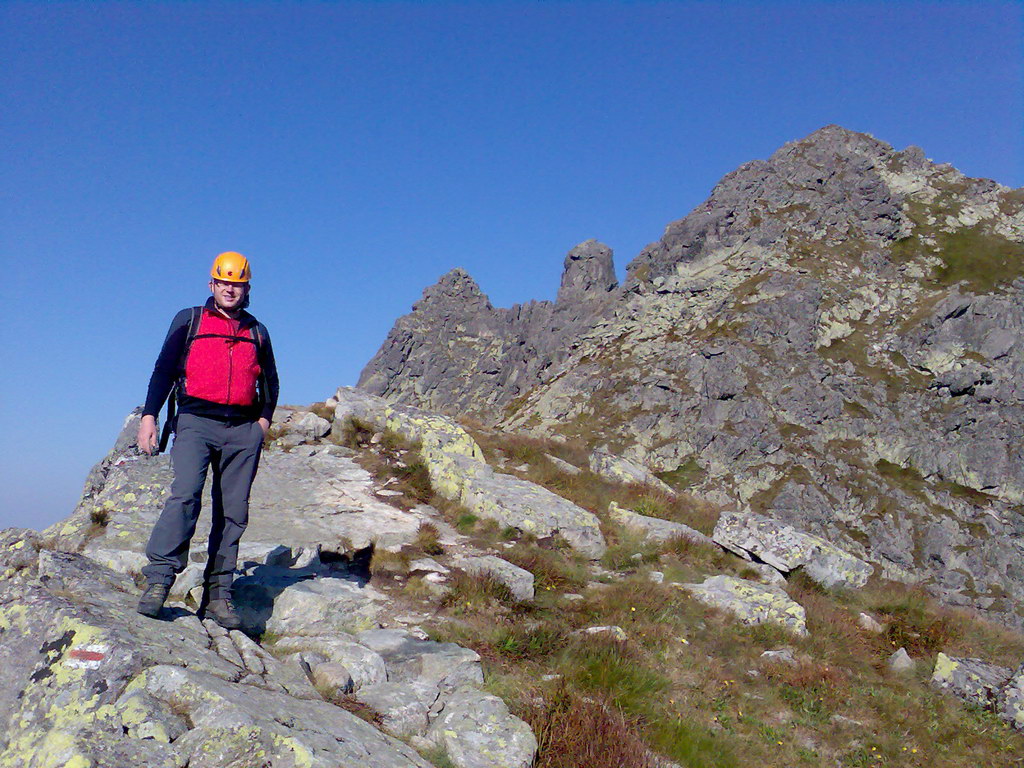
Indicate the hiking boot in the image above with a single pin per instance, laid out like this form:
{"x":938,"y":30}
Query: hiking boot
{"x":153,"y":600}
{"x":223,"y":612}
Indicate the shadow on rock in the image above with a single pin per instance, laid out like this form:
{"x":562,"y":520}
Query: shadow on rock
{"x":289,"y":594}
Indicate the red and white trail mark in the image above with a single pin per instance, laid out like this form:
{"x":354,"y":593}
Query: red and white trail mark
{"x":87,"y":656}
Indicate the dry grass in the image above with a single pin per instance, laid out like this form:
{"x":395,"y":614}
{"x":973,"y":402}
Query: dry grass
{"x":688,"y":682}
{"x":470,"y":590}
{"x":587,"y":489}
{"x":576,"y":730}
{"x":350,"y":704}
{"x":387,"y":564}
{"x":428,"y":540}
{"x":558,"y":568}
{"x":323,"y":410}
{"x":392,"y":460}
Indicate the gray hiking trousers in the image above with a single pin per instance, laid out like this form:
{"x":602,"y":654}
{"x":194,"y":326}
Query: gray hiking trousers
{"x":233,"y":451}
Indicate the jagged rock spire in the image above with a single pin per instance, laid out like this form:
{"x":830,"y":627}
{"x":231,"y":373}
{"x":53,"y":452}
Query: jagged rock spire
{"x":588,"y":271}
{"x":455,"y":288}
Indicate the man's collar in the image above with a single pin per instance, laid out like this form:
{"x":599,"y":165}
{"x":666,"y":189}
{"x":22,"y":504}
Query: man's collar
{"x":243,"y":316}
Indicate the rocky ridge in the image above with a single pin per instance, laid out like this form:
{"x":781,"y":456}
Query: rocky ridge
{"x":829,"y":340}
{"x":86,"y":681}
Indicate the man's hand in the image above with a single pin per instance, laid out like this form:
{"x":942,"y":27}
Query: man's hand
{"x":147,"y":437}
{"x":265,"y":423}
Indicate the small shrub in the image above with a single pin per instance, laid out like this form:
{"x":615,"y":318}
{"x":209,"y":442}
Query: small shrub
{"x":428,"y":540}
{"x":355,"y":433}
{"x":621,"y":554}
{"x":552,"y":569}
{"x":465,"y":522}
{"x":468,"y":590}
{"x":574,"y":730}
{"x":418,"y":588}
{"x":604,"y":666}
{"x":519,"y":643}
{"x":99,"y":517}
{"x":386,"y":563}
{"x":690,"y":745}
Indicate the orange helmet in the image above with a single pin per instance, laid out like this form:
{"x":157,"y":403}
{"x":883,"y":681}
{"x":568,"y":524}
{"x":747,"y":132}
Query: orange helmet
{"x":231,"y":267}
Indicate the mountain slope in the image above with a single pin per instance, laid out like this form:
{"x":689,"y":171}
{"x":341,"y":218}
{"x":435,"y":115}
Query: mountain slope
{"x":831,"y":339}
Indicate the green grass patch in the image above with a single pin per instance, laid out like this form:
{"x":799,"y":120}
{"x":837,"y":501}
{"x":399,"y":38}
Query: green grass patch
{"x":686,"y":475}
{"x":979,"y":258}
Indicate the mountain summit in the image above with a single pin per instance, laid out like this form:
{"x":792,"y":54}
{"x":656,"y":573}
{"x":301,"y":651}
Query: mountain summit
{"x":831,"y":339}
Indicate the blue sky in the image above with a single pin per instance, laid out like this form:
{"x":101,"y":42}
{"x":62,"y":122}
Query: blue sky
{"x":357,"y":151}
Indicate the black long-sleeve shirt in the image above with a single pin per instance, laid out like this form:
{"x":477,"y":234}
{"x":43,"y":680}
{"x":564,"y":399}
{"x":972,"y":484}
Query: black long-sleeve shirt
{"x":168,"y":370}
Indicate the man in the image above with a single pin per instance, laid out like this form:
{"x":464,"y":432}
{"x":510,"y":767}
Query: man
{"x":218,"y":361}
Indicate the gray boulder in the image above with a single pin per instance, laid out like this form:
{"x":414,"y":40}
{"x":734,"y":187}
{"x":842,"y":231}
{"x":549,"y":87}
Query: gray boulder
{"x":275,"y":602}
{"x":750,"y":602}
{"x":518,"y":580}
{"x":408,"y":659}
{"x":622,"y":470}
{"x":654,"y":528}
{"x":785,"y":548}
{"x":306,"y":425}
{"x":237,"y":727}
{"x":900,"y":662}
{"x":458,"y":472}
{"x":403,"y":706}
{"x":1010,"y":700}
{"x":111,"y":687}
{"x":364,"y":666}
{"x":477,"y":731}
{"x":973,"y":680}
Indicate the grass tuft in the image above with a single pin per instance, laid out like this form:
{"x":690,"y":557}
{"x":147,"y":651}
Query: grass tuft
{"x":428,"y":540}
{"x":576,"y":730}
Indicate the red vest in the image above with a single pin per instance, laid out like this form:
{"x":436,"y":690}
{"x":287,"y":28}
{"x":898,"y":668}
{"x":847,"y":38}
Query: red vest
{"x":222,"y":364}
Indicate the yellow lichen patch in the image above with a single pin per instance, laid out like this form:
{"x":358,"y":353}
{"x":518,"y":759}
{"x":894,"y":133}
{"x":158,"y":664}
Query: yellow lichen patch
{"x":944,"y":668}
{"x":12,"y":616}
{"x":303,"y":757}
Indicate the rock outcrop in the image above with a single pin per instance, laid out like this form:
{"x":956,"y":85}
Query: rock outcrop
{"x":829,"y":340}
{"x":752,"y":603}
{"x":456,"y":352}
{"x":459,"y":472}
{"x":984,"y":685}
{"x":86,"y":681}
{"x":786,"y":549}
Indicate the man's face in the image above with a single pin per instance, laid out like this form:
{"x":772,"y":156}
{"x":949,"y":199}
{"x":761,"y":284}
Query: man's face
{"x":228,"y":295}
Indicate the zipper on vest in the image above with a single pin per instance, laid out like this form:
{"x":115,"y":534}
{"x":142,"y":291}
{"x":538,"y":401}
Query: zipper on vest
{"x":231,"y":365}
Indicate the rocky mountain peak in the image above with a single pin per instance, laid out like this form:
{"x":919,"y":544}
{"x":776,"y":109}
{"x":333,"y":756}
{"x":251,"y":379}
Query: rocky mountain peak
{"x":824,"y":189}
{"x":588,"y":271}
{"x":455,"y":288}
{"x":836,"y":140}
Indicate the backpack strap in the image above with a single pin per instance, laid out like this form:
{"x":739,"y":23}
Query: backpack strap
{"x":170,"y":423}
{"x":259,"y":333}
